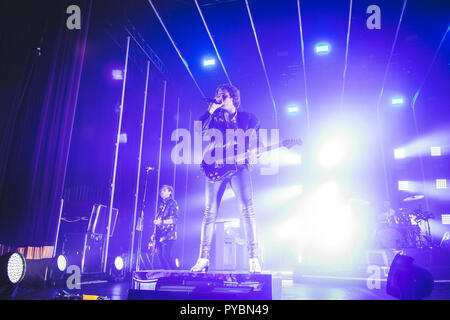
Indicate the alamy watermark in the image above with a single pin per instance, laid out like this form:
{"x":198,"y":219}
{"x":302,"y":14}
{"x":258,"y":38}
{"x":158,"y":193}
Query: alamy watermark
{"x":228,"y":150}
{"x":73,"y":22}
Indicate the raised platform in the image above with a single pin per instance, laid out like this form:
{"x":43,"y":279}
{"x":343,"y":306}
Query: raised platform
{"x":216,"y":285}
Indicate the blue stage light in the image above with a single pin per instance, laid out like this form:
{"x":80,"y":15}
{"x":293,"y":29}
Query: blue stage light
{"x":403,"y":185}
{"x":322,"y":48}
{"x":117,"y":74}
{"x":399,"y":153}
{"x":397,"y":101}
{"x":293,"y":109}
{"x":441,"y":183}
{"x":209,"y":62}
{"x":435,"y":151}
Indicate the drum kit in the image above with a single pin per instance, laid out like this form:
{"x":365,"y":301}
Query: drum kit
{"x":406,"y":227}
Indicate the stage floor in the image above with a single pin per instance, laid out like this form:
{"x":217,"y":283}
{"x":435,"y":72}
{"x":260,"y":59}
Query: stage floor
{"x":309,"y":289}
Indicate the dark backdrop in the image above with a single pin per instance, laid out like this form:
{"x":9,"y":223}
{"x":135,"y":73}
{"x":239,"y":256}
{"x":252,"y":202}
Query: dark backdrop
{"x":41,"y":65}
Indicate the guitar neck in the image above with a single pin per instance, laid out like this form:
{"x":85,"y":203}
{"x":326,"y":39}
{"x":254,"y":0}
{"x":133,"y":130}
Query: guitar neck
{"x":246,"y":155}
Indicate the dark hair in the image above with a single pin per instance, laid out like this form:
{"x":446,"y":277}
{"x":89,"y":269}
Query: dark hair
{"x":170,"y":188}
{"x":234,"y":93}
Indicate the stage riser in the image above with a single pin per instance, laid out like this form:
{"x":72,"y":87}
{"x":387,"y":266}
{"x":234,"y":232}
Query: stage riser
{"x":176,"y":285}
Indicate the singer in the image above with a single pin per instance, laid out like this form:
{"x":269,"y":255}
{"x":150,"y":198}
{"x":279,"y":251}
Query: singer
{"x":224,"y":113}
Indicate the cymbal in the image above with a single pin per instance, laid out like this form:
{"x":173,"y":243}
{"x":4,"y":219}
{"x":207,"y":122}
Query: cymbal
{"x":413,"y":198}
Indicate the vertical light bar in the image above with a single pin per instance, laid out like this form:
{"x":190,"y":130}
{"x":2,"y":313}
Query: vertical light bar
{"x":212,"y":41}
{"x":116,"y":157}
{"x":175,"y":165}
{"x":263,"y":64}
{"x":347,"y":43}
{"x":380,"y":134}
{"x":176,"y":48}
{"x":160,"y":151}
{"x":302,"y":45}
{"x":413,"y":107}
{"x":59,"y":225}
{"x":136,"y":195}
{"x":185,"y":199}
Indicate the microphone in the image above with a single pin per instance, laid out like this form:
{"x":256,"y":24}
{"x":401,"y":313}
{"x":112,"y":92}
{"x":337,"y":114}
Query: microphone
{"x":214,"y":100}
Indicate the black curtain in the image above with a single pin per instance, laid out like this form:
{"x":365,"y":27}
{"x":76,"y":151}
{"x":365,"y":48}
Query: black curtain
{"x":41,"y":62}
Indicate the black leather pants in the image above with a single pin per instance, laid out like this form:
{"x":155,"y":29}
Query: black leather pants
{"x":241,"y":185}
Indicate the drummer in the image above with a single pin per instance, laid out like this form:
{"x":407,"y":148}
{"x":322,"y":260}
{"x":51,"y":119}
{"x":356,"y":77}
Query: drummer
{"x":388,"y":214}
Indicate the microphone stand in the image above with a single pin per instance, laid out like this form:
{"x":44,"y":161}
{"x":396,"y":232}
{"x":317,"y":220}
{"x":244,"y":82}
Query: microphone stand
{"x":140,"y":227}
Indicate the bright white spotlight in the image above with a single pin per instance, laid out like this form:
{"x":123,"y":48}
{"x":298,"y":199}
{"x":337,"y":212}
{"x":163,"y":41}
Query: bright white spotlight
{"x":117,"y":74}
{"x":397,"y":101}
{"x":399,"y":153}
{"x":403,"y":185}
{"x":333,"y":152}
{"x":119,"y":263}
{"x":209,"y":62}
{"x":322,"y":48}
{"x":61,"y":262}
{"x":445,"y":218}
{"x":293,"y":109}
{"x":331,"y":227}
{"x":435,"y":151}
{"x":12,"y":268}
{"x":441,"y":183}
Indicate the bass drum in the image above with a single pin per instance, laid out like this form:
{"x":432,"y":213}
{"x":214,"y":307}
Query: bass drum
{"x":390,"y":237}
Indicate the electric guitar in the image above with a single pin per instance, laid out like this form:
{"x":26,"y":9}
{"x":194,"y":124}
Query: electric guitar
{"x":220,"y":170}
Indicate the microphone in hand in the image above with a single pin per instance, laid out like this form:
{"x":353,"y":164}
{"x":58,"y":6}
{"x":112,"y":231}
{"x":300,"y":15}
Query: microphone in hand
{"x":213,"y":101}
{"x":214,"y":104}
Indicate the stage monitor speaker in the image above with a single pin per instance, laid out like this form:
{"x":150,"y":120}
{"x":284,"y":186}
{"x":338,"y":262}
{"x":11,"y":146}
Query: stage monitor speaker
{"x":407,"y":281}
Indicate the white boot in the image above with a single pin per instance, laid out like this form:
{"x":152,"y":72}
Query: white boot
{"x":255,"y":267}
{"x":202,"y":265}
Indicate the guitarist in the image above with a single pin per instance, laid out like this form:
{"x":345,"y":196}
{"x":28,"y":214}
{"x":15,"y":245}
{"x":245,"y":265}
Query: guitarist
{"x":224,"y":113}
{"x":165,"y":232}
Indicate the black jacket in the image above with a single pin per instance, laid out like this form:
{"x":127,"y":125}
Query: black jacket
{"x":218,"y":120}
{"x":168,"y":209}
{"x":242,"y":120}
